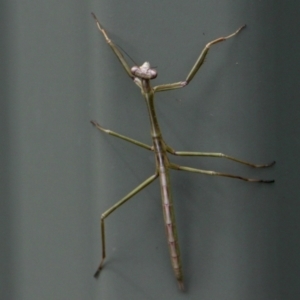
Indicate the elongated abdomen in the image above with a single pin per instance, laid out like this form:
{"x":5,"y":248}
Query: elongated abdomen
{"x":169,"y":217}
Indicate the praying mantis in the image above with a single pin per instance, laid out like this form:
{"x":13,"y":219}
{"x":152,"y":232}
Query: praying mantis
{"x":142,"y":76}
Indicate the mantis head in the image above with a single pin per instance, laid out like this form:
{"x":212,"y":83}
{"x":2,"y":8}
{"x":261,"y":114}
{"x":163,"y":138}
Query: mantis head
{"x":144,"y":71}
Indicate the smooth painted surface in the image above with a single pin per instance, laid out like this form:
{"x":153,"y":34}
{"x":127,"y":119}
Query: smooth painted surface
{"x":239,"y":240}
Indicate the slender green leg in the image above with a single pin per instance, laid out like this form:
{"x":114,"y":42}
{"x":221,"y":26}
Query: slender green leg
{"x":213,"y":173}
{"x":113,"y":208}
{"x":114,"y":48}
{"x":123,"y":137}
{"x":221,"y":155}
{"x":196,"y":67}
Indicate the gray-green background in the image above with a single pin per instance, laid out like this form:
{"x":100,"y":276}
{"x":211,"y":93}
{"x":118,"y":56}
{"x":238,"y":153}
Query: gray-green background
{"x":58,"y":174}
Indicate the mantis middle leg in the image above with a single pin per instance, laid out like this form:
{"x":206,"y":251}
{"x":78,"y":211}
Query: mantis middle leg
{"x":214,"y":173}
{"x":220,"y":155}
{"x":120,"y":136}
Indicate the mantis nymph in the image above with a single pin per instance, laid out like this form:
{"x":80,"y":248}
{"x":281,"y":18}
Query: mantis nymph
{"x":142,"y":76}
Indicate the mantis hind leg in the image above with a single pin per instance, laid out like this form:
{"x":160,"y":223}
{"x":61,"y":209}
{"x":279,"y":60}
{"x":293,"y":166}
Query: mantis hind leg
{"x":112,"y":209}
